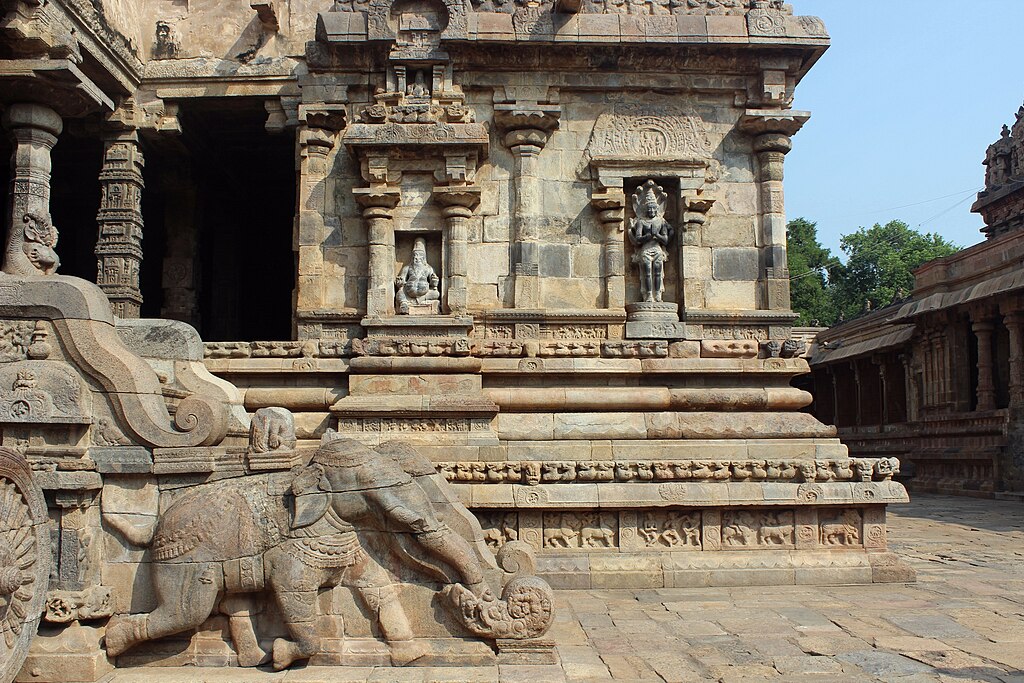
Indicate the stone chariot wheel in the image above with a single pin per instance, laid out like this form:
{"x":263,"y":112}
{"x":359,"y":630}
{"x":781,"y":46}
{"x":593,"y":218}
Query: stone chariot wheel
{"x":24,"y":561}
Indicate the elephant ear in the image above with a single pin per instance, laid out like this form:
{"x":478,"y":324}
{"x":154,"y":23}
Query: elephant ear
{"x":312,"y":496}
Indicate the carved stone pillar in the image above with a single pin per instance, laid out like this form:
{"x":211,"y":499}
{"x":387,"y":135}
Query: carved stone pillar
{"x":772,"y":132}
{"x":1015,"y":324}
{"x":983,"y":328}
{"x":315,"y":147}
{"x":610,"y":205}
{"x":858,"y":419}
{"x":527,"y":129}
{"x":119,"y":244}
{"x":883,"y":390}
{"x":180,"y":267}
{"x":459,"y":204}
{"x":378,"y":204}
{"x":33,"y":130}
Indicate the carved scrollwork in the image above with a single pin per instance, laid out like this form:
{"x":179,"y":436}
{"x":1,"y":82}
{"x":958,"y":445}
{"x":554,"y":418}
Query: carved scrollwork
{"x":524,"y":611}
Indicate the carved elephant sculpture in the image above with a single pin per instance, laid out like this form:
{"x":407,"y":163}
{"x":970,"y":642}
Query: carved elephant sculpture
{"x":242,"y":535}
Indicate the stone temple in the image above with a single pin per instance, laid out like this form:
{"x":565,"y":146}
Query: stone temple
{"x":495,"y":302}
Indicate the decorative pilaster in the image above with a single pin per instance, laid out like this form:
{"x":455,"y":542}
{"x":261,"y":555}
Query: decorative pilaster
{"x":772,"y":132}
{"x":983,"y":328}
{"x":33,"y":131}
{"x":527,"y":128}
{"x":119,"y":244}
{"x":610,"y":205}
{"x":459,"y":203}
{"x":378,"y":205}
{"x":691,"y":296}
{"x":1015,"y":325}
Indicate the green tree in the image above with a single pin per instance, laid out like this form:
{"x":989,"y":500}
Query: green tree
{"x":880,"y":265}
{"x":809,"y":269}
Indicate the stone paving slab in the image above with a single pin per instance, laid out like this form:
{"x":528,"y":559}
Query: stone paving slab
{"x":962,"y":622}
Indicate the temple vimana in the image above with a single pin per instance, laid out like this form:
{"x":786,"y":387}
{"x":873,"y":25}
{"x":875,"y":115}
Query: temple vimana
{"x":342,"y":333}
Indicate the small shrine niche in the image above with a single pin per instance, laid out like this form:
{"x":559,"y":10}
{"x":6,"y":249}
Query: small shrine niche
{"x":419,"y":265}
{"x":665,"y":192}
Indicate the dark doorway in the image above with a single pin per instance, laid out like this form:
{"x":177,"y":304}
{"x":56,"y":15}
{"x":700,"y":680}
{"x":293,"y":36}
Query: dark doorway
{"x":231,"y":186}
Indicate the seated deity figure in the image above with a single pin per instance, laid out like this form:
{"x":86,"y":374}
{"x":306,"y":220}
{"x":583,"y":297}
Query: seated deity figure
{"x":650,"y":234}
{"x":417,"y":282}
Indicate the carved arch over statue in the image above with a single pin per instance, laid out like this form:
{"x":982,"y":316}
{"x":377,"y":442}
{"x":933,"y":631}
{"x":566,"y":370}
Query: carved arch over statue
{"x":385,"y":19}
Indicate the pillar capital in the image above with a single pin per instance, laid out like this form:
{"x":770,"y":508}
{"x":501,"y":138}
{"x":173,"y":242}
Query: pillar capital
{"x":458,"y":201}
{"x":527,"y":126}
{"x":35,"y":117}
{"x":377,"y":200}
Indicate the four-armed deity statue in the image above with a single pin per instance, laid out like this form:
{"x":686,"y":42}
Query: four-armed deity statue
{"x":650,"y":233}
{"x":417,"y":283}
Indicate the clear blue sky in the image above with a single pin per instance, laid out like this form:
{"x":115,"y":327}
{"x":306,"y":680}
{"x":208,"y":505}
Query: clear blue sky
{"x":904,"y":105}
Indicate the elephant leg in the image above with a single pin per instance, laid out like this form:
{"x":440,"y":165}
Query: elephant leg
{"x":186,"y":595}
{"x":380,"y":597}
{"x":299,"y":611}
{"x":295,"y":587}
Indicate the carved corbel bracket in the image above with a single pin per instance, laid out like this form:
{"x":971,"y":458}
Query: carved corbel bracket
{"x":772,"y":128}
{"x":145,"y":111}
{"x":33,"y":29}
{"x":267,"y":14}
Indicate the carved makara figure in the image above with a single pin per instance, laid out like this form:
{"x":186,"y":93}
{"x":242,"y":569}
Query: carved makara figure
{"x":30,"y":250}
{"x":650,"y":233}
{"x":417,"y":283}
{"x":240,"y":536}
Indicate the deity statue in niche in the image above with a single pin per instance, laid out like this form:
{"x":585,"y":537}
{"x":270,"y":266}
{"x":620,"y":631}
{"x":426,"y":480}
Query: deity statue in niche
{"x":650,"y":233}
{"x":417,"y":284}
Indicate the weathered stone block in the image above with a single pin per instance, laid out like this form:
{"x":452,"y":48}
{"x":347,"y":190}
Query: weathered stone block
{"x":736,"y":263}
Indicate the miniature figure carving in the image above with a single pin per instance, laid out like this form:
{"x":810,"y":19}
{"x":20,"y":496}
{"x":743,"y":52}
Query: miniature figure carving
{"x":650,"y":233}
{"x":238,"y":537}
{"x":166,"y":46}
{"x":30,"y":251}
{"x":272,"y":429}
{"x":417,"y":282}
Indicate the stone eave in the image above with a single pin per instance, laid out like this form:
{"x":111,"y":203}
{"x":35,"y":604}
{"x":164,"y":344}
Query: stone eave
{"x":805,"y":33}
{"x":988,"y":198}
{"x":203,"y":77}
{"x":43,"y":79}
{"x":112,"y":51}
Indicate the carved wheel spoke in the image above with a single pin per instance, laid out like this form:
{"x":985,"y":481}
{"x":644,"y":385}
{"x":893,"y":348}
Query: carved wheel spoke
{"x":24,"y":561}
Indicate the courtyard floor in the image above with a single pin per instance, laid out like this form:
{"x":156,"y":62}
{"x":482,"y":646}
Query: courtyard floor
{"x":962,"y":621}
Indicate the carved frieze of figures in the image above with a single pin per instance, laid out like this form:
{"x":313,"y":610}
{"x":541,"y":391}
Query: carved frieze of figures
{"x":352,"y":517}
{"x":841,"y":528}
{"x":636,"y":7}
{"x":1004,"y":160}
{"x":650,"y":234}
{"x":417,"y":284}
{"x":31,"y":247}
{"x":551,"y":472}
{"x":672,"y":529}
{"x":757,"y":528}
{"x":580,"y":530}
{"x":499,"y":527}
